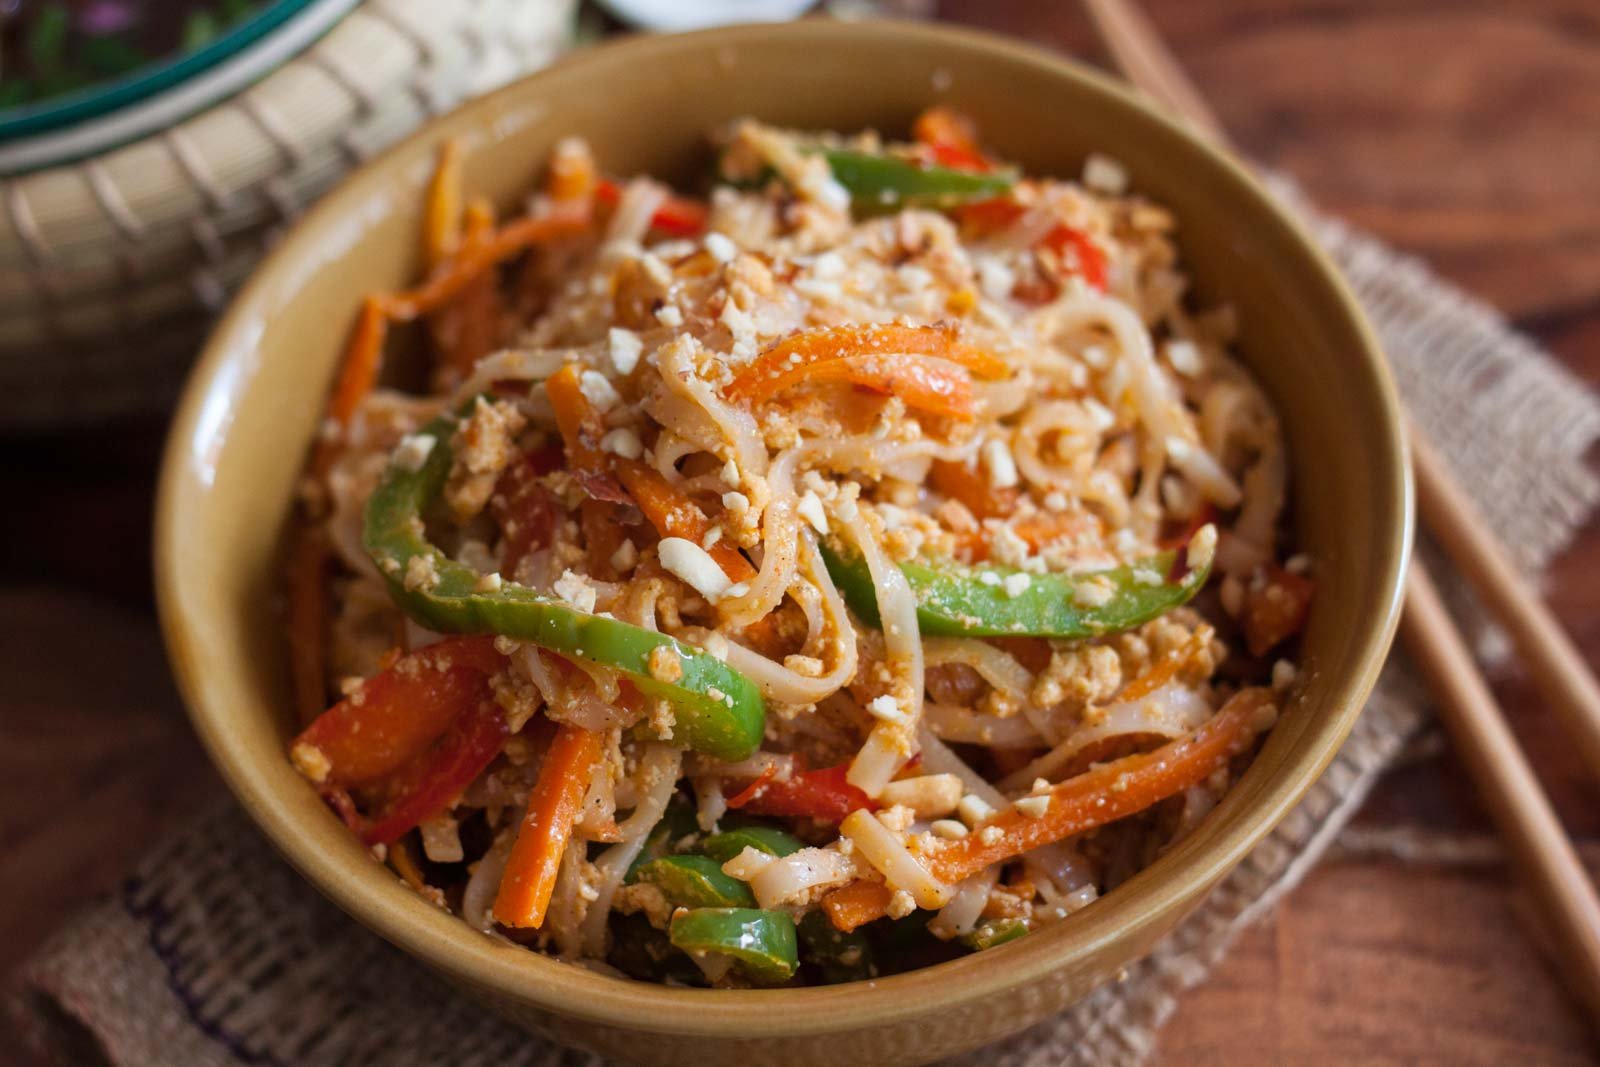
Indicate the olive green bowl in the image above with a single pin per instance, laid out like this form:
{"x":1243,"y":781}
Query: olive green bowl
{"x":255,"y":400}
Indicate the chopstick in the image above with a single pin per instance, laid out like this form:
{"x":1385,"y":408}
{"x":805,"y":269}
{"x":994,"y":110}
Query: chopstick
{"x":1545,"y":651}
{"x":1505,"y":780}
{"x":1507,"y":787}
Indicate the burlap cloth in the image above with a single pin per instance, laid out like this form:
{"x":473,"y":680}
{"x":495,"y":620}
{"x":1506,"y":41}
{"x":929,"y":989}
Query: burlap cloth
{"x":215,"y":953}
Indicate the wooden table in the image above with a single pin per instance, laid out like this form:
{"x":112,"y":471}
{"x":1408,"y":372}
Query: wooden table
{"x":1464,"y":132}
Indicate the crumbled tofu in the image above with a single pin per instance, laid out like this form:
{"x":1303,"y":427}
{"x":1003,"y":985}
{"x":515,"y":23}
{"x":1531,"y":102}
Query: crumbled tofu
{"x":1100,"y":416}
{"x":885,"y":709}
{"x":929,"y":795}
{"x":901,"y":904}
{"x":310,"y":761}
{"x":598,"y":390}
{"x":721,"y":248}
{"x":664,"y":664}
{"x":1105,"y":175}
{"x":413,"y":451}
{"x":1283,"y":675}
{"x":1033,"y":807}
{"x":1016,"y":584}
{"x":998,"y":464}
{"x":576,"y":590}
{"x":1093,"y":593}
{"x":810,"y":509}
{"x":622,"y":442}
{"x":694,"y":565}
{"x":624,"y":348}
{"x":1185,"y":358}
{"x":973,"y":809}
{"x":420,"y":573}
{"x":747,"y":864}
{"x":949,"y":829}
{"x":1202,"y":548}
{"x":995,"y":278}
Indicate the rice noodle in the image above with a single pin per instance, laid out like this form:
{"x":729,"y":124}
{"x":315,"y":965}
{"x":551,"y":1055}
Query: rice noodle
{"x":964,"y":726}
{"x":798,"y":875}
{"x":1170,"y":711}
{"x":883,"y":849}
{"x":657,"y":780}
{"x":477,"y":899}
{"x":890,"y":745}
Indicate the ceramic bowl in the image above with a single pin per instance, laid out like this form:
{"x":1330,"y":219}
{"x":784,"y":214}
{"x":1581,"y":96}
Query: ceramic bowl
{"x":256,"y":398}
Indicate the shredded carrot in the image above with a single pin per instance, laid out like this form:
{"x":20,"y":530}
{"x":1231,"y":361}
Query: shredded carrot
{"x":530,"y":874}
{"x":923,"y":383}
{"x":856,"y":904}
{"x":504,"y":243}
{"x":964,"y":483}
{"x":571,"y":177}
{"x":405,"y":864}
{"x":362,"y":357}
{"x":576,"y":418}
{"x":308,"y":621}
{"x":1109,"y":792}
{"x":1276,"y":605}
{"x":468,"y":328}
{"x":787,"y":362}
{"x":441,"y":220}
{"x":666,"y":507}
{"x":952,"y":139}
{"x":673,"y":514}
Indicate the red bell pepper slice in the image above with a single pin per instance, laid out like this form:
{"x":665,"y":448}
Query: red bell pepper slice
{"x":430,"y":784}
{"x":525,"y":510}
{"x":1091,"y":258}
{"x":393,"y":717}
{"x":677,"y":216}
{"x":822,"y":794}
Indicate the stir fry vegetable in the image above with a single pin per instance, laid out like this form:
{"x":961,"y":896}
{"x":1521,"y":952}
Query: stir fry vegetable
{"x":921,"y":456}
{"x":718,"y":710}
{"x":762,"y":942}
{"x":954,"y":600}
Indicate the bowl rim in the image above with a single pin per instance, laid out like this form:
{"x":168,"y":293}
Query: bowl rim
{"x":532,"y":979}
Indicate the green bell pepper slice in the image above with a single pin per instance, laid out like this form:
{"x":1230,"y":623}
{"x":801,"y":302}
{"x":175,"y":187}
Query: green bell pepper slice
{"x":955,"y":600}
{"x":763,"y":942}
{"x":841,"y":956}
{"x":878,"y":182}
{"x":728,"y":844}
{"x":694,"y":882}
{"x":992,"y":933}
{"x":718,"y":710}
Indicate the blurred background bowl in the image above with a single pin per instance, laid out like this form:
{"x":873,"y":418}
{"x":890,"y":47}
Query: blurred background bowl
{"x":131,"y":210}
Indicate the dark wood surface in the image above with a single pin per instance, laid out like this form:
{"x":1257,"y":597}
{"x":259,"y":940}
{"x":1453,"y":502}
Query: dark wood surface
{"x":1462,"y":131}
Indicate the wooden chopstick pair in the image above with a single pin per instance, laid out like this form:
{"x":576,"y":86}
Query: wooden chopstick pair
{"x":1543,"y":854}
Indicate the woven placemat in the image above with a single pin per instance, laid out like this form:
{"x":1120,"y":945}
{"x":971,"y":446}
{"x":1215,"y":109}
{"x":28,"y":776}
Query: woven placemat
{"x":215,"y":953}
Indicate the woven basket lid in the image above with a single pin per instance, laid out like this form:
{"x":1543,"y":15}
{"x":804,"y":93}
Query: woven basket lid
{"x":111,"y":267}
